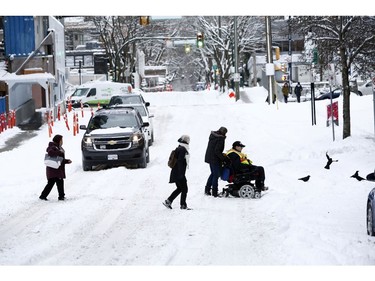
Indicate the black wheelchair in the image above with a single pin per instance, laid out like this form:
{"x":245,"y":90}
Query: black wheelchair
{"x":240,"y":185}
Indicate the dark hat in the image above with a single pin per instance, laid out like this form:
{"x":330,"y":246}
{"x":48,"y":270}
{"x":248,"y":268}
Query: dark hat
{"x":57,"y":139}
{"x":184,"y":139}
{"x":223,"y":130}
{"x":238,"y":143}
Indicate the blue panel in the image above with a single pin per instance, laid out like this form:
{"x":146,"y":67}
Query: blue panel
{"x":19,"y":37}
{"x":2,"y":105}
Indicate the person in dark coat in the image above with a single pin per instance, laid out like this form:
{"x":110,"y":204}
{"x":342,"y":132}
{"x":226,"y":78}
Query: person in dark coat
{"x":241,"y":164}
{"x":178,"y":172}
{"x":298,"y":91}
{"x":55,"y":175}
{"x":285,"y":91}
{"x":215,"y":158}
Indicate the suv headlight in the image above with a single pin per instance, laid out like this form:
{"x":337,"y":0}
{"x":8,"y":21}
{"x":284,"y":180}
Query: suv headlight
{"x":137,"y":139}
{"x":87,"y":141}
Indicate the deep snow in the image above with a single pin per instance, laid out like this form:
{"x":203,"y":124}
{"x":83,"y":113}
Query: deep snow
{"x":115,"y":216}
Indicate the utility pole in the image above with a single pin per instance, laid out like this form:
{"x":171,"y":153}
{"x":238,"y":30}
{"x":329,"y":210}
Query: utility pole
{"x":236,"y":76}
{"x":290,"y":54}
{"x":270,"y":68}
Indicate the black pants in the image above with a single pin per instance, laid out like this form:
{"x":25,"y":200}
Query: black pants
{"x":298,"y":98}
{"x":181,"y":187}
{"x":259,"y":175}
{"x":50,"y":184}
{"x":256,"y":172}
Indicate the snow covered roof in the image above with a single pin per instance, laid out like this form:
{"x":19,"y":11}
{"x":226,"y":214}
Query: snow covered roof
{"x":40,"y":78}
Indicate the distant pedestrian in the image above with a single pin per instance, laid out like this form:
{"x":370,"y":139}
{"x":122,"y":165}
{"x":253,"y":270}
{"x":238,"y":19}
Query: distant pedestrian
{"x":285,"y":91}
{"x":298,"y":91}
{"x":55,"y":175}
{"x":178,"y":172}
{"x":215,"y":158}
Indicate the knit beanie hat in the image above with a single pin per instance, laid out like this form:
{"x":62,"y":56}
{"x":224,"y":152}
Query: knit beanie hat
{"x":184,"y":139}
{"x":223,"y":130}
{"x":57,"y":139}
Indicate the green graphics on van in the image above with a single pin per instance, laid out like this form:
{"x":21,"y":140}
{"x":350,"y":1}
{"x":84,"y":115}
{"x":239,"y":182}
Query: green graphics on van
{"x":98,"y":92}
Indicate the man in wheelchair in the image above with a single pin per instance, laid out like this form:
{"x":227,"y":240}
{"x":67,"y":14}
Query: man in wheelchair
{"x":242,"y":172}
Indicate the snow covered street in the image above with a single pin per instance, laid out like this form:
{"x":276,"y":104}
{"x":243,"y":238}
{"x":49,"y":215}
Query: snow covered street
{"x":115,"y":216}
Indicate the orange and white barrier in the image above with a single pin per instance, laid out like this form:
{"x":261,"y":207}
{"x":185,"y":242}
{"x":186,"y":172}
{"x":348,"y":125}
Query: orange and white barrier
{"x":2,"y":123}
{"x":66,"y":121}
{"x":82,"y":109}
{"x":69,"y":105}
{"x":77,"y":123}
{"x":74,"y":125}
{"x":58,"y":112}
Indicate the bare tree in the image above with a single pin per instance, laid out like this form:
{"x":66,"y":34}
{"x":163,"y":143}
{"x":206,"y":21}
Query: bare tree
{"x":219,"y":41}
{"x":115,"y":32}
{"x":349,"y":39}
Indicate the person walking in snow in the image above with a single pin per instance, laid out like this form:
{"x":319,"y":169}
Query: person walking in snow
{"x":178,"y":172}
{"x":55,"y":175}
{"x":298,"y":91}
{"x":285,"y":91}
{"x":215,"y":158}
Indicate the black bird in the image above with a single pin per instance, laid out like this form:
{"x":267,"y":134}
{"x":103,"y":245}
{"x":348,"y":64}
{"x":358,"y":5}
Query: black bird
{"x":305,"y":179}
{"x":358,"y":177}
{"x":329,"y":162}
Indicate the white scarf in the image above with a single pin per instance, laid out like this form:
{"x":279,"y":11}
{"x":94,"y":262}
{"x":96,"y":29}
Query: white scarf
{"x":187,"y":155}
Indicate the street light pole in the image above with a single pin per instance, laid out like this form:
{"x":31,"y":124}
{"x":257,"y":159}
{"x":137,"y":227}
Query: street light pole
{"x":236,"y":82}
{"x":269,"y":59}
{"x":290,"y":54}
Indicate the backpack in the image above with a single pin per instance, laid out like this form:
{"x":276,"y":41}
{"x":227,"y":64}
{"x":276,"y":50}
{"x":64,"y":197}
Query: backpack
{"x":172,"y":159}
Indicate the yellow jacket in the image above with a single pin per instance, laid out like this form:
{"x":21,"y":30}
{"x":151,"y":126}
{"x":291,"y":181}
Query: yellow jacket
{"x":243,"y":156}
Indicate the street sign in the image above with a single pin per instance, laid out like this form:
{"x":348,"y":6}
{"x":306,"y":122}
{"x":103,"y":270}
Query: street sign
{"x":236,"y":77}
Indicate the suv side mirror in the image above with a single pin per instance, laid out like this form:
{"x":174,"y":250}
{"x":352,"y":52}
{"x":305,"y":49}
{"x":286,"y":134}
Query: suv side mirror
{"x":147,"y":104}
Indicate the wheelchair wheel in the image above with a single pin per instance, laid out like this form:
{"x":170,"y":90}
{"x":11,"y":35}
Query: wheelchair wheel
{"x":246,"y":191}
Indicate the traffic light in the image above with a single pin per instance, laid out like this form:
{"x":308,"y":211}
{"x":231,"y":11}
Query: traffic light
{"x":144,"y":20}
{"x":187,"y":48}
{"x":200,"y":40}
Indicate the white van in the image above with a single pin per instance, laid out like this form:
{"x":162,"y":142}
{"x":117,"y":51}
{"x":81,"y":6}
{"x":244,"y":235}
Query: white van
{"x":92,"y":93}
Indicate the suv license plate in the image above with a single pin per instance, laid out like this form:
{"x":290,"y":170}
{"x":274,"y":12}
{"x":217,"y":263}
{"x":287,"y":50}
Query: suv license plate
{"x":112,"y":157}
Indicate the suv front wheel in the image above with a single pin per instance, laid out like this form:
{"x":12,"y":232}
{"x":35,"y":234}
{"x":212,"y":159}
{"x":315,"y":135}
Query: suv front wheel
{"x":145,"y":159}
{"x":86,"y":167}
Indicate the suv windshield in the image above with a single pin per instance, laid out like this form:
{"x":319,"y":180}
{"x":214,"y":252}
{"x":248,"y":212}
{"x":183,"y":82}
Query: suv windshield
{"x":140,"y":109}
{"x":112,"y":120}
{"x":125,"y":100}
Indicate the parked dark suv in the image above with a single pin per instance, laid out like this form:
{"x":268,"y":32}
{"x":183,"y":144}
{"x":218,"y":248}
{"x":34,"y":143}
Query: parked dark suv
{"x":113,"y":137}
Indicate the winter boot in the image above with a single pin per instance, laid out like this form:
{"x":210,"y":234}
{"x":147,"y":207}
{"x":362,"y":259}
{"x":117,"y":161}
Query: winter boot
{"x":167,"y":204}
{"x":214,"y":193}
{"x":207,"y":191}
